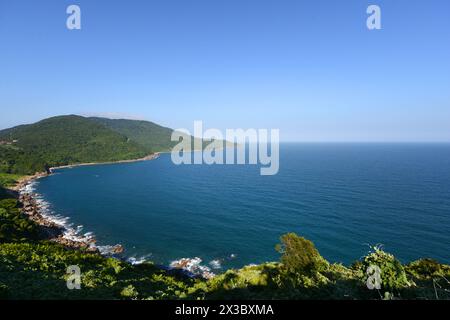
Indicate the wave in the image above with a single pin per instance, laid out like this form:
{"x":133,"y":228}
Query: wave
{"x":216,"y":264}
{"x":193,"y":267}
{"x":75,"y":233}
{"x":138,"y":260}
{"x":70,"y":231}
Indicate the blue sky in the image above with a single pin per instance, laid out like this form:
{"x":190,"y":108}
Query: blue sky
{"x":310,"y":68}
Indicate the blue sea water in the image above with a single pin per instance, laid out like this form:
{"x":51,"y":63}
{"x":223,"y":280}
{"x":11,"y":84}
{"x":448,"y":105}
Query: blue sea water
{"x":341,"y":196}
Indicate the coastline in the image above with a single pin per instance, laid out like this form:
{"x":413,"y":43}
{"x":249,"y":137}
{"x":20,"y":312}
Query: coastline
{"x":146,"y":158}
{"x":53,"y":227}
{"x":30,"y":178}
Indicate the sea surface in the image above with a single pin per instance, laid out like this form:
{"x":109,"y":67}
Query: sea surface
{"x":343,"y":197}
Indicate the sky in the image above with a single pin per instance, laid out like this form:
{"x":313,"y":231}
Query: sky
{"x":311,"y":69}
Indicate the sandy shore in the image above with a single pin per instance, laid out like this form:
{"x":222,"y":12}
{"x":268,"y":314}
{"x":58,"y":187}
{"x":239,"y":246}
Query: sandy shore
{"x":28,"y":179}
{"x":146,"y":158}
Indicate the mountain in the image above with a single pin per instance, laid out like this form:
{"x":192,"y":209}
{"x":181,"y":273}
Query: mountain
{"x":73,"y":139}
{"x":150,"y":136}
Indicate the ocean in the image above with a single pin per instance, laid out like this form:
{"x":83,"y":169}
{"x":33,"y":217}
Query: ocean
{"x":343,"y":197}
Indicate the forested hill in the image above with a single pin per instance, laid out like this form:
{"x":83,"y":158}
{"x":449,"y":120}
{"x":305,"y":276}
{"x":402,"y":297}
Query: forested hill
{"x":72,"y":139}
{"x":151,"y":136}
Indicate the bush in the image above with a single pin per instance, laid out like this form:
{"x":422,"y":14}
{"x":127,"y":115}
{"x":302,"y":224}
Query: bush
{"x":26,"y":266}
{"x":431,"y":279}
{"x":129,"y":292}
{"x":425,"y":269}
{"x":299,"y":255}
{"x":393,"y":275}
{"x":14,"y":226}
{"x":8,"y":180}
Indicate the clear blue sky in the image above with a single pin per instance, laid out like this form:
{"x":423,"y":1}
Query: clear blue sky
{"x":310,"y":68}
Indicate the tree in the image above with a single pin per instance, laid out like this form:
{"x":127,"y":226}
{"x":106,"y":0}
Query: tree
{"x":392,"y":272}
{"x":299,"y":255}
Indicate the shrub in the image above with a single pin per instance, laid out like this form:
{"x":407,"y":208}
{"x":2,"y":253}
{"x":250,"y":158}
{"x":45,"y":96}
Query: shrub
{"x":299,"y":255}
{"x":14,"y":226}
{"x":425,"y":269}
{"x":393,"y":275}
{"x":129,"y":292}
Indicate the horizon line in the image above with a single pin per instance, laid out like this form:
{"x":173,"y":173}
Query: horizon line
{"x":121,"y":116}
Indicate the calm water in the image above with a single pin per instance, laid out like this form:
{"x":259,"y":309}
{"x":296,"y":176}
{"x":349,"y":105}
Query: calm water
{"x":341,"y":196}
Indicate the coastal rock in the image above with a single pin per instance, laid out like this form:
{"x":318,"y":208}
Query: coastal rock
{"x":50,"y":229}
{"x":72,"y":244}
{"x":193,"y":267}
{"x":117,"y":249}
{"x":47,"y":229}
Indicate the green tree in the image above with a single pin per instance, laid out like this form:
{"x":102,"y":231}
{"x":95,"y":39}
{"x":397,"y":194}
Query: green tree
{"x":299,"y":254}
{"x":393,"y":276}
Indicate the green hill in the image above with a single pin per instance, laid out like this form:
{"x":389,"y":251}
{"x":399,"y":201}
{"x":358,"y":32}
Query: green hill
{"x":149,"y":135}
{"x":71,"y":139}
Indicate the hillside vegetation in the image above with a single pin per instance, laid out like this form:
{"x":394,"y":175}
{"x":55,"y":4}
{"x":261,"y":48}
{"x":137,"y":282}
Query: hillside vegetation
{"x":66,"y":140}
{"x":34,"y":268}
{"x":74,"y":139}
{"x":148,"y":135}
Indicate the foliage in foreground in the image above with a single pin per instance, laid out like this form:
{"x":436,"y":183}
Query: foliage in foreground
{"x":38,"y":271}
{"x":35,"y":269}
{"x":8,"y":180}
{"x":304,"y":274}
{"x":14,"y":226}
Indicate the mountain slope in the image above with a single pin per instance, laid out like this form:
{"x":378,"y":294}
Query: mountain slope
{"x":149,"y":135}
{"x":63,"y":140}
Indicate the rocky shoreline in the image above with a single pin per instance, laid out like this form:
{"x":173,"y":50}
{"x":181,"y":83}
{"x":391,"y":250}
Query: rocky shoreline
{"x":54,"y":231}
{"x":57,"y":232}
{"x":48,"y":228}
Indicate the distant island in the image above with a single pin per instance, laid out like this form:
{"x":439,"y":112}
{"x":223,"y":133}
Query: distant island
{"x":34,"y":257}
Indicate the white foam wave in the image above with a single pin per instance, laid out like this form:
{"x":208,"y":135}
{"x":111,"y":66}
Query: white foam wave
{"x":106,"y":249}
{"x":75,"y":233}
{"x":70,"y":231}
{"x":215,"y":264}
{"x":193,"y":266}
{"x":140,"y":260}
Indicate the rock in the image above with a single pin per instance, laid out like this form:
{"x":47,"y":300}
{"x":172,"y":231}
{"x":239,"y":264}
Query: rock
{"x":193,"y":267}
{"x":117,"y":249}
